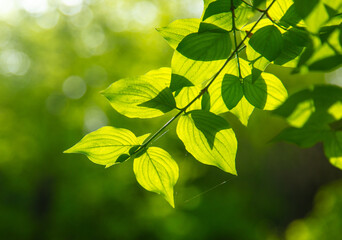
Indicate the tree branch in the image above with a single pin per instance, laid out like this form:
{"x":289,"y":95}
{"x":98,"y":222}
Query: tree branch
{"x":237,"y":49}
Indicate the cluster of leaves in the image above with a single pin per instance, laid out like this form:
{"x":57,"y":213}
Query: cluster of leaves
{"x":209,"y":76}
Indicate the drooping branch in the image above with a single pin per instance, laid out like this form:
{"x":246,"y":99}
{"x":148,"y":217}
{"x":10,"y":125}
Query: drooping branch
{"x":238,"y":47}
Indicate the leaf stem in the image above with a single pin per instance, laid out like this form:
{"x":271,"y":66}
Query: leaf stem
{"x":237,"y":49}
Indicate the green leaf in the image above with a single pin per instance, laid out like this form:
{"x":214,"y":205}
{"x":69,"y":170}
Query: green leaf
{"x":157,"y":172}
{"x":317,"y":13}
{"x":209,"y":138}
{"x":284,"y":12}
{"x":294,"y":42}
{"x":215,"y":90}
{"x":243,"y":109}
{"x":327,"y":64}
{"x":268,"y":42}
{"x":336,"y":110}
{"x":199,"y":46}
{"x":316,"y":115}
{"x":324,"y":51}
{"x":175,"y":32}
{"x":306,"y":136}
{"x":319,"y":106}
{"x":205,"y":102}
{"x":258,"y":61}
{"x":198,"y":57}
{"x":186,"y":95}
{"x":257,"y":3}
{"x":105,"y":145}
{"x":267,"y":92}
{"x":219,"y":13}
{"x":146,"y":96}
{"x":232,"y":90}
{"x":333,"y":149}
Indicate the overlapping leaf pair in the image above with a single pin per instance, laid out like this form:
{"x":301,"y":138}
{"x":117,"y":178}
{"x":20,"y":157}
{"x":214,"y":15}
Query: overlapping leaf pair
{"x":207,"y":78}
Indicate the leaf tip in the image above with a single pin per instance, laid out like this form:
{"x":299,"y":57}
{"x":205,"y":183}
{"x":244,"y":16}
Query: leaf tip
{"x":69,"y":150}
{"x":109,"y":165}
{"x":103,"y":92}
{"x":170,"y":200}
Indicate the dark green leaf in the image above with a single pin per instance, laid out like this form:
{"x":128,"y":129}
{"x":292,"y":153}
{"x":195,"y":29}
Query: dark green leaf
{"x":333,"y":148}
{"x":268,"y":42}
{"x":232,"y":90}
{"x":304,"y":137}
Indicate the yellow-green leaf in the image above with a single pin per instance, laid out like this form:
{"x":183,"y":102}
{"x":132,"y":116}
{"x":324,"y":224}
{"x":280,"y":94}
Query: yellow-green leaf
{"x":217,"y":104}
{"x":145,"y":96}
{"x":176,"y":31}
{"x":186,"y":95}
{"x":219,"y":13}
{"x":267,"y":92}
{"x":243,"y":111}
{"x":105,"y":145}
{"x":284,"y":12}
{"x":209,"y":138}
{"x":198,"y":57}
{"x":156,"y":171}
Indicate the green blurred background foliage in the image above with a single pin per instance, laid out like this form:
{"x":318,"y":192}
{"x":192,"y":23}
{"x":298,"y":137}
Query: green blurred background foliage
{"x":55,"y":57}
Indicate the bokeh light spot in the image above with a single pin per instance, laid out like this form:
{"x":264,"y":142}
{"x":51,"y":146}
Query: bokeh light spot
{"x":144,"y":12}
{"x":74,"y":87}
{"x":34,"y":6}
{"x":94,"y":118}
{"x":14,"y":62}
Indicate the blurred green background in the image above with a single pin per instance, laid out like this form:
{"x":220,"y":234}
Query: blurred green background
{"x":55,"y":58}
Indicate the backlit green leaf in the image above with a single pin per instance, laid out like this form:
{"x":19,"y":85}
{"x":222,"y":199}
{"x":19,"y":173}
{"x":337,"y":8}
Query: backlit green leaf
{"x":186,"y":95}
{"x":314,"y":13}
{"x":209,"y":138}
{"x":217,"y":104}
{"x":267,"y":92}
{"x":283,"y":11}
{"x":145,"y":96}
{"x":324,"y":50}
{"x":156,"y":171}
{"x":220,"y":14}
{"x":243,"y":109}
{"x":175,"y":32}
{"x":105,"y":145}
{"x":198,"y":57}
